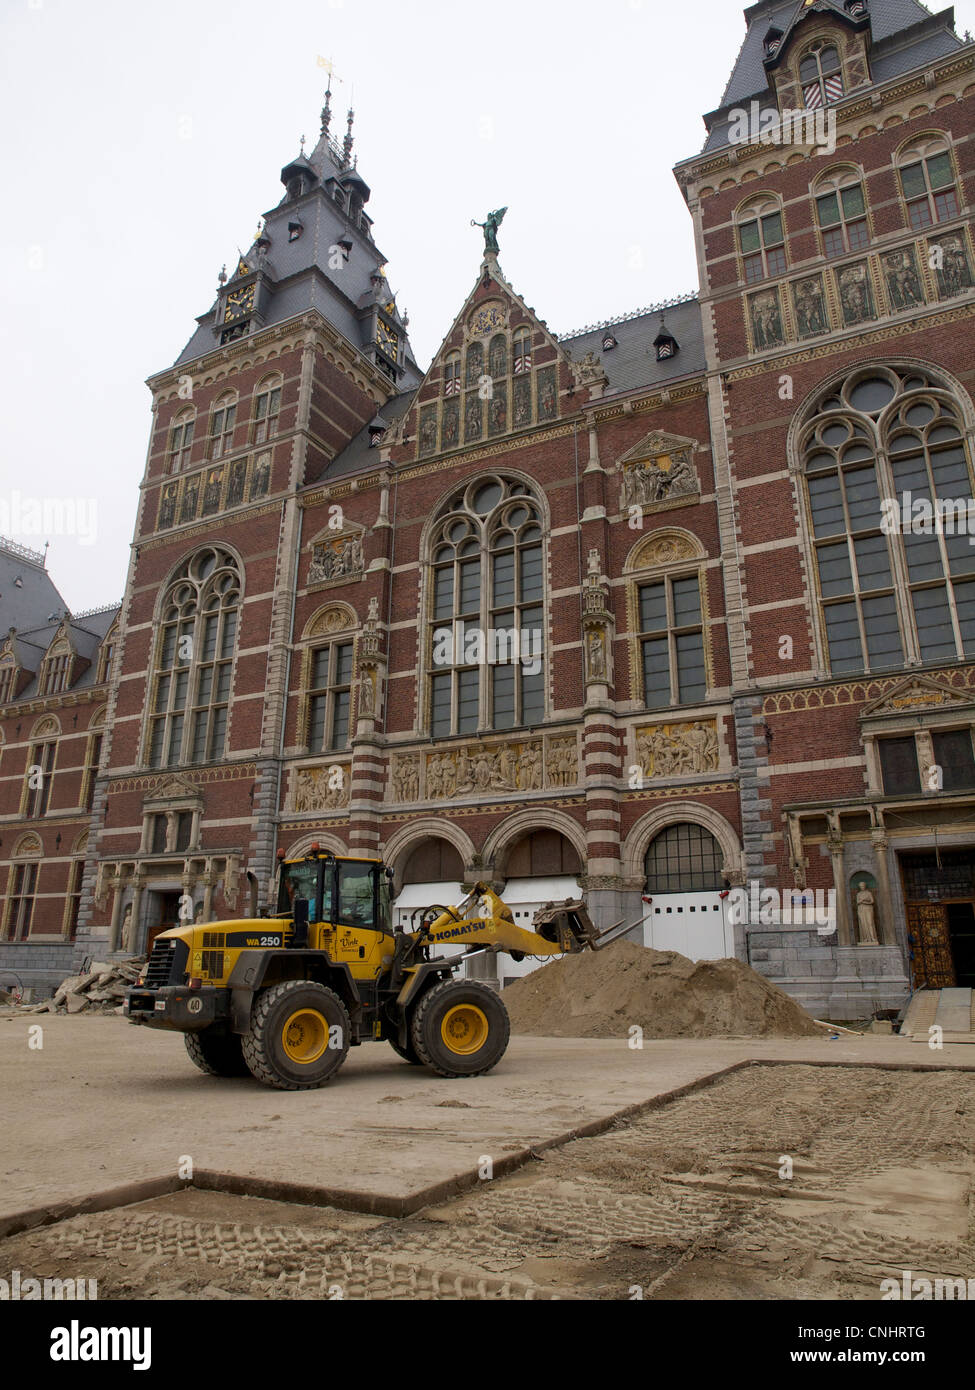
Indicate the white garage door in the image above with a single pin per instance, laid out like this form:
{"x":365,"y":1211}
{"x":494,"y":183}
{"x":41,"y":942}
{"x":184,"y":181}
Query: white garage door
{"x":695,"y":924}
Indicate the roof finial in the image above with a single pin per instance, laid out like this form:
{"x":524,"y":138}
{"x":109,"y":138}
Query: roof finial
{"x":327,"y":109}
{"x":347,"y":142}
{"x":302,"y":147}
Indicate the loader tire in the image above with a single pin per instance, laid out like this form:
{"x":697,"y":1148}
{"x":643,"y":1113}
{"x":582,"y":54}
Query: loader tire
{"x":408,"y":1053}
{"x":460,"y":1028}
{"x":218,"y":1054}
{"x":298,"y":1037}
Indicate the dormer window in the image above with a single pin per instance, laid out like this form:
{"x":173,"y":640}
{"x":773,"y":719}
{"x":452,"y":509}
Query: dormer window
{"x":609,"y":342}
{"x":773,"y":42}
{"x":821,"y":77}
{"x":295,"y":228}
{"x":57,"y":674}
{"x":296,"y":186}
{"x":8,"y":680}
{"x":665,"y":344}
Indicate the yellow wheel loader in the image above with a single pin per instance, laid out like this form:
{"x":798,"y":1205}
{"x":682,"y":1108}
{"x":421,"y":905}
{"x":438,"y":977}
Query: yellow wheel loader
{"x":285,"y":997}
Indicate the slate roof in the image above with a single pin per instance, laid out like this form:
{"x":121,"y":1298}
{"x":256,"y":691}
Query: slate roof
{"x":359,"y":454}
{"x":26,"y":605}
{"x":895,"y":50}
{"x":28,"y":608}
{"x":633,"y":363}
{"x":299,"y":271}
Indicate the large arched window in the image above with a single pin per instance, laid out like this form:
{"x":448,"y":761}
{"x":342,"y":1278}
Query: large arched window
{"x":190,"y":686}
{"x":889,"y":488}
{"x":486,"y":611}
{"x":684,"y":858}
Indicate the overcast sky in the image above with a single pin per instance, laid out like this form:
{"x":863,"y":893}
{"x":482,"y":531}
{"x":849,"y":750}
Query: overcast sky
{"x":141,"y":144}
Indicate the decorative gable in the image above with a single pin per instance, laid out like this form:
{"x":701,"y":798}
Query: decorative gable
{"x":913,"y":694}
{"x":498,"y":371}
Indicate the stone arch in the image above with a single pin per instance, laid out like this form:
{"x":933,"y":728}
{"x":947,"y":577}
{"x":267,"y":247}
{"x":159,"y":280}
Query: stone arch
{"x":98,"y":718}
{"x":81,"y":844}
{"x":649,"y":826}
{"x":670,"y":546}
{"x":518,"y":475}
{"x":28,"y":846}
{"x":184,"y":560}
{"x":504,"y":837}
{"x":47,"y":727}
{"x":399,"y":846}
{"x":330,"y":618}
{"x":303,"y":846}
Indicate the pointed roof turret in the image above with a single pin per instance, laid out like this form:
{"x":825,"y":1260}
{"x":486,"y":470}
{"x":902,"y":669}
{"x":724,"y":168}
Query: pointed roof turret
{"x":347,"y":142}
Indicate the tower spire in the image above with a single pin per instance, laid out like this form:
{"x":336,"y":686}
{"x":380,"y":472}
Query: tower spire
{"x":327,"y":109}
{"x":347,"y":142}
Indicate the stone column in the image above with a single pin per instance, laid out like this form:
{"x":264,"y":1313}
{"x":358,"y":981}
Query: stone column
{"x":885,"y":911}
{"x":113,"y":930}
{"x":835,"y":846}
{"x":208,"y":884}
{"x":139,"y":884}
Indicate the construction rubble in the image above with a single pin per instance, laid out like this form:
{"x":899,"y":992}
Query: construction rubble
{"x":100,"y":990}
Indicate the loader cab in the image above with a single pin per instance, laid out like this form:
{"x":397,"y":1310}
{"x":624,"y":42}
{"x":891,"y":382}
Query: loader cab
{"x":344,"y":892}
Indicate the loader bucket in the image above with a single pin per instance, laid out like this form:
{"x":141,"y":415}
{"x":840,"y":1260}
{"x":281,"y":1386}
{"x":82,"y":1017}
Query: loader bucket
{"x":568,"y":924}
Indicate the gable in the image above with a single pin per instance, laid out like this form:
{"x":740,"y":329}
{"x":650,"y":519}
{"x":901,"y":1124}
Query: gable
{"x":499,"y":371}
{"x":915,"y":693}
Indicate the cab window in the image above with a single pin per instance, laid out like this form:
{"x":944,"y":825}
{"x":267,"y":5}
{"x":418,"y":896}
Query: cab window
{"x":355,"y":895}
{"x":298,"y":881}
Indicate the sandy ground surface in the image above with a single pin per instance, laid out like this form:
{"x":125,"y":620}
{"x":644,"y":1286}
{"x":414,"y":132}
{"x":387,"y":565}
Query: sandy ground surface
{"x":687,"y":1203}
{"x":684,"y":1202}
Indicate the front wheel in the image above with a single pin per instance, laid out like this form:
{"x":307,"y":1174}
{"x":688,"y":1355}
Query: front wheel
{"x":460,"y":1028}
{"x":218,"y":1054}
{"x":298,"y":1037}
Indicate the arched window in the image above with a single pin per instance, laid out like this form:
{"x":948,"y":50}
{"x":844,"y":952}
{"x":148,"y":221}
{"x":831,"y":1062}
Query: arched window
{"x":267,"y":407}
{"x":522,"y":351}
{"x":330,"y":696}
{"x":498,"y":356}
{"x":842,"y":212}
{"x":451,"y":374}
{"x":190,"y":687}
{"x":222,"y":423}
{"x":761,"y":238}
{"x":486,"y":607}
{"x":928,"y":184}
{"x":181,"y":441}
{"x":821,"y":76}
{"x":888,"y":479}
{"x":684,"y":858}
{"x":22,"y":888}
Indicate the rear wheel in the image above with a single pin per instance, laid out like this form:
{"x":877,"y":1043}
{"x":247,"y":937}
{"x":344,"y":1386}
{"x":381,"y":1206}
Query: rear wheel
{"x":460,"y":1028}
{"x":298,"y":1037}
{"x":218,"y":1054}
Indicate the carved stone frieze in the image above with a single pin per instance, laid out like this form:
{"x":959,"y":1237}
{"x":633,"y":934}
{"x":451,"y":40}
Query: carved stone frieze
{"x":673,"y":750}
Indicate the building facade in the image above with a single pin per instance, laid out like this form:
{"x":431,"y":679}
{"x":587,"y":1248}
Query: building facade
{"x":631,"y":612}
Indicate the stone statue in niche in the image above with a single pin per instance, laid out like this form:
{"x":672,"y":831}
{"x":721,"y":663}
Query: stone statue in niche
{"x":596,"y":654}
{"x":367,"y":697}
{"x":866,"y":916}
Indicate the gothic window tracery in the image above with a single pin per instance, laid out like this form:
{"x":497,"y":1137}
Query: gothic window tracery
{"x":888,"y":480}
{"x":486,"y":611}
{"x":191,"y":683}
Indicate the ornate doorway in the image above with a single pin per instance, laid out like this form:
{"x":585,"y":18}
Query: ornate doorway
{"x":939,"y":893}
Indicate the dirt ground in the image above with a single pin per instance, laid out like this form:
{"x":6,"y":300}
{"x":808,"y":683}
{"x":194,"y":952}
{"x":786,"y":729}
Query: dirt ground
{"x":688,"y":1202}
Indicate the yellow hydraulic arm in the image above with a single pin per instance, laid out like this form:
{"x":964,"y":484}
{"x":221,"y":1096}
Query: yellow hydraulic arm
{"x":484,"y":920}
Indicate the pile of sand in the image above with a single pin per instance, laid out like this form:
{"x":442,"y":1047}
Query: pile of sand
{"x":603,"y":994}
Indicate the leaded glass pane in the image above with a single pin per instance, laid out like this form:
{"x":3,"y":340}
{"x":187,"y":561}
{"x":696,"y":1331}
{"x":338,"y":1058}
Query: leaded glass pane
{"x":934,"y":628}
{"x":843,"y":636}
{"x":883,"y":635}
{"x":691,"y":678}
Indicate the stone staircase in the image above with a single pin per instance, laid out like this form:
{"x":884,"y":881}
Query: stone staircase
{"x":952,"y":1010}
